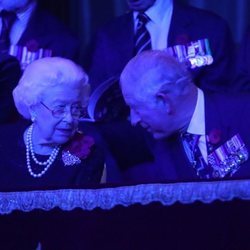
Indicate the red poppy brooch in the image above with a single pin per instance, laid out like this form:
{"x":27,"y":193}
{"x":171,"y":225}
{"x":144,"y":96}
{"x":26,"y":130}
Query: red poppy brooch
{"x":214,"y":137}
{"x":32,"y":45}
{"x":77,"y":149}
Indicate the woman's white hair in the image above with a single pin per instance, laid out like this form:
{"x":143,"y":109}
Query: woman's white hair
{"x":44,"y":74}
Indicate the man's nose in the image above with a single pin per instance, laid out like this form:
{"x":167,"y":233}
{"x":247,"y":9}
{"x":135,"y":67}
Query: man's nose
{"x":134,"y":117}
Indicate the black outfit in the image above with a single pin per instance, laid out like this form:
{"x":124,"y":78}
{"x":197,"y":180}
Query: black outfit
{"x":15,"y":175}
{"x":241,"y":81}
{"x":25,"y":230}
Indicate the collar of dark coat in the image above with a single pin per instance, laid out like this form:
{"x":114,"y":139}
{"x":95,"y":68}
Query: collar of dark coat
{"x":215,"y":118}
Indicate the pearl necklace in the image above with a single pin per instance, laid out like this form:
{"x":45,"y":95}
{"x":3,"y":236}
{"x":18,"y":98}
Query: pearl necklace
{"x":30,"y":151}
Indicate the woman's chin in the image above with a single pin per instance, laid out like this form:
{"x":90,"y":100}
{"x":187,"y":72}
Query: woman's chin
{"x":160,"y":135}
{"x":61,"y":139}
{"x":62,"y":136}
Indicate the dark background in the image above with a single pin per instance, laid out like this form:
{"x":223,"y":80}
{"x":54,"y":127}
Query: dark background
{"x":215,"y":226}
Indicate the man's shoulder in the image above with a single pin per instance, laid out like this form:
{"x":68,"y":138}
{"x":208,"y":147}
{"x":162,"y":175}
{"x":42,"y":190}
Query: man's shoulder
{"x":195,"y":13}
{"x":241,"y":97}
{"x":50,"y":33}
{"x":46,"y":21}
{"x":117,"y":23}
{"x":228,"y":106}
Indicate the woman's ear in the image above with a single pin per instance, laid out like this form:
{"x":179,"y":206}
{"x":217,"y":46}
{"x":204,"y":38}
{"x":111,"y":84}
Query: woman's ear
{"x":33,"y":113}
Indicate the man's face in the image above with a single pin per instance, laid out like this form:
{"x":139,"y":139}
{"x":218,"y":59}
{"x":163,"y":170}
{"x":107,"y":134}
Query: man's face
{"x":140,"y":5}
{"x":14,"y":5}
{"x":151,"y":113}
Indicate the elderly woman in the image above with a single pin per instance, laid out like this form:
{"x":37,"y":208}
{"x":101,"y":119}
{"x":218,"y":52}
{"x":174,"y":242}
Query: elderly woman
{"x":49,"y":151}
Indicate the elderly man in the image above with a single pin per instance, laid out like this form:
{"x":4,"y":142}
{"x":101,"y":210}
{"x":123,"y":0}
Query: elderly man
{"x":205,"y":135}
{"x":154,"y":24}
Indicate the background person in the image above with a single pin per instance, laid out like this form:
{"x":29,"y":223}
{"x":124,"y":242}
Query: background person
{"x":170,"y":23}
{"x":30,"y":26}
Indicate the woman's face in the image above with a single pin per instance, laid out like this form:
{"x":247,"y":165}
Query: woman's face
{"x":50,"y":130}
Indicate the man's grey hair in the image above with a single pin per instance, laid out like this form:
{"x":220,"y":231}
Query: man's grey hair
{"x":156,"y":71}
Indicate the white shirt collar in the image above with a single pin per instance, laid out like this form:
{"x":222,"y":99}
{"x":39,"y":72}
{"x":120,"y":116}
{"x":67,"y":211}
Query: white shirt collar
{"x":160,"y":15}
{"x":21,"y":23}
{"x":157,"y":12}
{"x":25,"y":16}
{"x":197,"y":123}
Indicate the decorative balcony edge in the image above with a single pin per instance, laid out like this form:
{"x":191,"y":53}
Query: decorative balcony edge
{"x":107,"y":198}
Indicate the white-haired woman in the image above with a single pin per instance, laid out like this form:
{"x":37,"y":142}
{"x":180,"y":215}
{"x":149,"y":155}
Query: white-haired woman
{"x":49,"y":151}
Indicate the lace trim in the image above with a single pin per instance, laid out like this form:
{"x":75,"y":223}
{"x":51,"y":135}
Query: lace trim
{"x":107,"y":198}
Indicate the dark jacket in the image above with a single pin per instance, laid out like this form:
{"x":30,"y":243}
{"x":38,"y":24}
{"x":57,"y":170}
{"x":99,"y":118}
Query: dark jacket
{"x":9,"y":76}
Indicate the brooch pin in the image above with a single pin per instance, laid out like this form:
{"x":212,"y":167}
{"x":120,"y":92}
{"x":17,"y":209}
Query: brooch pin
{"x":69,"y":159}
{"x":77,"y":149}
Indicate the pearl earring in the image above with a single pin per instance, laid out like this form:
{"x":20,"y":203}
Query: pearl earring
{"x":33,"y":118}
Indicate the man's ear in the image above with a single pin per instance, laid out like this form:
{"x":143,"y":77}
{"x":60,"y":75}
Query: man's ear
{"x":164,"y":100}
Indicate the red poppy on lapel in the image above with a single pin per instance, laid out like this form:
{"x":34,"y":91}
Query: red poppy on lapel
{"x":182,"y":39}
{"x":80,"y":145}
{"x":214,"y":136}
{"x":32,"y":45}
